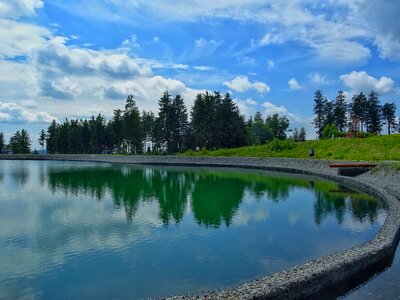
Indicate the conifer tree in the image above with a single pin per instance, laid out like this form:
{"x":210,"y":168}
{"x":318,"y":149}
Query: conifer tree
{"x":133,"y":131}
{"x":339,"y":112}
{"x":373,"y":116}
{"x":42,"y":138}
{"x":117,"y":130}
{"x":2,"y":143}
{"x":388,"y":113}
{"x":166,"y":121}
{"x":51,"y":138}
{"x":358,"y":108}
{"x":320,"y":112}
{"x":180,"y":124}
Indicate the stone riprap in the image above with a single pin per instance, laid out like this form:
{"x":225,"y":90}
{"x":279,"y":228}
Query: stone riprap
{"x":310,"y":277}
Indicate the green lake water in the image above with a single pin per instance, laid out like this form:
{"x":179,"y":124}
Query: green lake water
{"x":74,"y":230}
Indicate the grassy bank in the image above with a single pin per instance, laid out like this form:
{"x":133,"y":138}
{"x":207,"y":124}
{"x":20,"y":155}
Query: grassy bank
{"x":386,"y":147}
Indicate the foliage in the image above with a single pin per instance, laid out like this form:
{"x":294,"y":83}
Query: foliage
{"x":330,"y":132}
{"x":132,"y":128}
{"x":278,"y":125}
{"x":373,"y":115}
{"x":299,"y":135}
{"x":388,"y":114}
{"x":2,"y":143}
{"x":42,"y":138}
{"x":216,"y":122}
{"x":320,"y":102}
{"x":20,"y":142}
{"x":358,"y":108}
{"x":339,"y":112}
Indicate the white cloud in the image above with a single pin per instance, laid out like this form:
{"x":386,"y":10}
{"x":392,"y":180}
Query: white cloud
{"x":13,"y":113}
{"x":333,"y":30}
{"x":16,"y":8}
{"x":203,"y":43}
{"x":66,"y":88}
{"x":19,"y":38}
{"x":318,"y":79}
{"x":132,"y":42}
{"x":203,"y":68}
{"x":294,"y":84}
{"x":242,"y":84}
{"x":270,"y":109}
{"x":271,"y":38}
{"x":361,"y":81}
{"x":382,"y":20}
{"x":251,"y":102}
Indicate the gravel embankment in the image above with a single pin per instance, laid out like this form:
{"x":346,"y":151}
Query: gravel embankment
{"x":308,"y":278}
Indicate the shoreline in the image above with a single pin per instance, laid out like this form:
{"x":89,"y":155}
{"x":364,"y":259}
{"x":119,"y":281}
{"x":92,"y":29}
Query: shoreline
{"x":305,"y":279}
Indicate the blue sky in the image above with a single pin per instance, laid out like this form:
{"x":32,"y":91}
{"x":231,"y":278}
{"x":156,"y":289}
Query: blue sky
{"x":77,"y":58}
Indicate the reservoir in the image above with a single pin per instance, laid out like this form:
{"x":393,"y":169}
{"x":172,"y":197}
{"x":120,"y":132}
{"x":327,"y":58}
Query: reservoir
{"x":98,"y":230}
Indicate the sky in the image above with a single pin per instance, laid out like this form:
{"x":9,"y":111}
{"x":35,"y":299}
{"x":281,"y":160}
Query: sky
{"x":73,"y":59}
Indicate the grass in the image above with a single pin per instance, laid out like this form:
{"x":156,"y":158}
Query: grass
{"x":377,"y":148}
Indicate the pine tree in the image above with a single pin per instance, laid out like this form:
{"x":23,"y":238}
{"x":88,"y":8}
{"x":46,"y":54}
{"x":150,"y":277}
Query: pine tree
{"x":166,"y":121}
{"x":373,"y":117}
{"x":320,"y":111}
{"x":51,"y":139}
{"x":42,"y":138}
{"x":97,"y":134}
{"x":388,"y":113}
{"x":358,"y":108}
{"x":180,"y":124}
{"x":148,"y":123}
{"x":133,"y":131}
{"x":2,"y":143}
{"x":199,"y":121}
{"x":117,"y":129}
{"x":339,"y":112}
{"x":25,"y":142}
{"x":230,"y":129}
{"x":20,"y":142}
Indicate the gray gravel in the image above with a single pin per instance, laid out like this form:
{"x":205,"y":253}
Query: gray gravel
{"x":305,"y":279}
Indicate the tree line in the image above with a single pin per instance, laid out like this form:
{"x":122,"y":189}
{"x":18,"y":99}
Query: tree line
{"x":215,"y":122}
{"x":364,"y":114}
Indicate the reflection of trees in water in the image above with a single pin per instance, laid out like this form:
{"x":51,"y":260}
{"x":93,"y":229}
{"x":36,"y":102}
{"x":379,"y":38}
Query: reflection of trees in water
{"x":1,"y":173}
{"x":337,"y":202}
{"x":20,"y":175}
{"x":215,"y":199}
{"x":215,"y":195}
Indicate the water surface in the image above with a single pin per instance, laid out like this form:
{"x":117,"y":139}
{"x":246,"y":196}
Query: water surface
{"x":91,"y":230}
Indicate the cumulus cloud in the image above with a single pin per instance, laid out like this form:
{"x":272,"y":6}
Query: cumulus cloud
{"x":251,"y":102}
{"x":294,"y":84}
{"x":16,"y":8}
{"x":270,"y":109}
{"x":79,"y":61}
{"x":386,"y":30}
{"x":13,"y":113}
{"x":20,"y":38}
{"x":242,"y":84}
{"x":361,"y":81}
